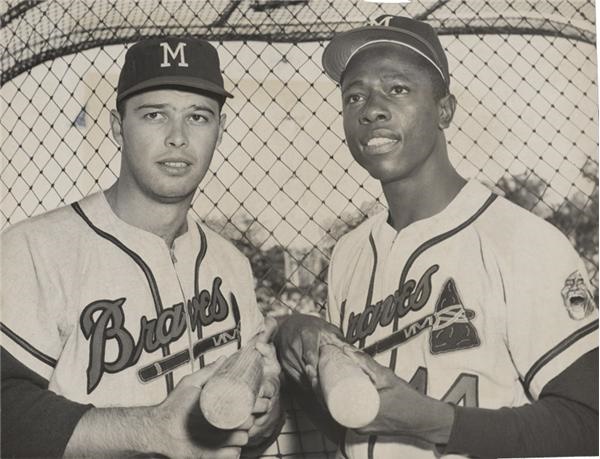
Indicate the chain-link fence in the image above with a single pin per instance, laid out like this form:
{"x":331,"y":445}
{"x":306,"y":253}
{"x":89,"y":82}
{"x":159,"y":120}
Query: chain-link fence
{"x":283,"y":185}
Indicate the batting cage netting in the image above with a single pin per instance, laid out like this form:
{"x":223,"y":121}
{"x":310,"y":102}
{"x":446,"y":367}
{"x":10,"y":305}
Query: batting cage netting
{"x":283,"y":185}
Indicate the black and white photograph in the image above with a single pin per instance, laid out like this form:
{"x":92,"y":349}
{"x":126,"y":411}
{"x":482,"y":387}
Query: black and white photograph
{"x":321,"y":229}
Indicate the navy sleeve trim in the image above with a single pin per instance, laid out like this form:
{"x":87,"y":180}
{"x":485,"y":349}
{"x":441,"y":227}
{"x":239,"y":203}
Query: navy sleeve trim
{"x":28,"y":347}
{"x":560,"y":347}
{"x":36,"y":422}
{"x":562,"y":422}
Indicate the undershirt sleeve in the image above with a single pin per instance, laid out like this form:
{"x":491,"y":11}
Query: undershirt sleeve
{"x":36,"y":422}
{"x":562,"y":422}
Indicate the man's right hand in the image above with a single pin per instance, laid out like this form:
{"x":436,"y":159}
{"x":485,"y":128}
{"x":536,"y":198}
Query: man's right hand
{"x":185,"y":432}
{"x":297,"y":340}
{"x":175,"y":428}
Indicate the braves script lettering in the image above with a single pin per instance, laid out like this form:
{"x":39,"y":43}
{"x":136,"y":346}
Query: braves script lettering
{"x":103,"y":321}
{"x":410,"y":296}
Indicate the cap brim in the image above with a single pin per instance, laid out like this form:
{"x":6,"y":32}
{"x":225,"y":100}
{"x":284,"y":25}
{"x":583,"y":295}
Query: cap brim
{"x":342,"y":47}
{"x":185,"y":82}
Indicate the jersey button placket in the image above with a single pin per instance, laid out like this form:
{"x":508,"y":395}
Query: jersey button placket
{"x":172,"y":254}
{"x":394,"y":262}
{"x":186,"y":305}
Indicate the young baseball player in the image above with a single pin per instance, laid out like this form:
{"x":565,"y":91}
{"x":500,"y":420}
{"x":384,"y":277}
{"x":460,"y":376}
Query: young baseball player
{"x":114,"y":307}
{"x":474,"y":317}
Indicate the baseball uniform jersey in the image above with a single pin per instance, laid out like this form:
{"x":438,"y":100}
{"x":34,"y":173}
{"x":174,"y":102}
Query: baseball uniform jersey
{"x":109,"y":315}
{"x":480,"y":305}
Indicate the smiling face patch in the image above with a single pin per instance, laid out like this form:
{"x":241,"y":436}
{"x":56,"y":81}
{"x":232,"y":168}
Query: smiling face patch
{"x":577,"y":297}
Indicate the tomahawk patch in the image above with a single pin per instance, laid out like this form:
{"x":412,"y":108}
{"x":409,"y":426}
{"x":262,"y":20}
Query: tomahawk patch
{"x":452,"y":329}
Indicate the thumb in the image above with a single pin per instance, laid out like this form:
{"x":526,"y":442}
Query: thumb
{"x":200,"y":377}
{"x":266,"y":350}
{"x":367,"y":364}
{"x":270,"y":327}
{"x":269,"y":388}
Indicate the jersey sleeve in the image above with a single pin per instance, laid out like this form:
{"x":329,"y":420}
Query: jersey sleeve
{"x":552,"y":318}
{"x":31,"y":311}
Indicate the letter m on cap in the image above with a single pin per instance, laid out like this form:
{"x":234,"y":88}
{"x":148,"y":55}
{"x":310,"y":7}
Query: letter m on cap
{"x":383,"y":20}
{"x":178,"y":53}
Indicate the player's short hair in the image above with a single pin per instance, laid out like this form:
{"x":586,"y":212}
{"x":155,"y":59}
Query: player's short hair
{"x":439,"y":86}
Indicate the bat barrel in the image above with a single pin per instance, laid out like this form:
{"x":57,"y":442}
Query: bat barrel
{"x":351,"y":397}
{"x":228,"y":398}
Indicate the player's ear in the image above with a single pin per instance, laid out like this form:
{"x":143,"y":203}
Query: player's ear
{"x":116,"y":126}
{"x":222,"y":120}
{"x":446,"y":107}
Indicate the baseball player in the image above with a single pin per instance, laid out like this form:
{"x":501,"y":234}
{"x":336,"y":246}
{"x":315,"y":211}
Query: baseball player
{"x":477,"y":314}
{"x":114,"y":307}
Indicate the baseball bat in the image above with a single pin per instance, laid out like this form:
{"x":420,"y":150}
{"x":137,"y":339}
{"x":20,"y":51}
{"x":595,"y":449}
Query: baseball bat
{"x":167,"y":364}
{"x":228,"y":396}
{"x":349,"y":393}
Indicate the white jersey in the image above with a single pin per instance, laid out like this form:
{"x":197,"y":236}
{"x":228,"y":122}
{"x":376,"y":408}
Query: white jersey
{"x":480,"y":305}
{"x":109,"y":315}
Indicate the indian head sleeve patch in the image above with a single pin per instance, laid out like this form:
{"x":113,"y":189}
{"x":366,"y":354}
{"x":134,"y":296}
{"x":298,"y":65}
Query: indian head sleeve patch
{"x":452,"y":329}
{"x":577,"y":297}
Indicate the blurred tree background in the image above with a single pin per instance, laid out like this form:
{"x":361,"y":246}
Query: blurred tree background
{"x":288,"y":280}
{"x":576,"y":216}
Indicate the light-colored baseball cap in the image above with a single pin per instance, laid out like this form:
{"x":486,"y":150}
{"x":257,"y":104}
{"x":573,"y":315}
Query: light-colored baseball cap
{"x":161,"y":62}
{"x":411,"y":33}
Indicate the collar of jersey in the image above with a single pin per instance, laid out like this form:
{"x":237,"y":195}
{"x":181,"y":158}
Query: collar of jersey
{"x":100,"y":213}
{"x":468,"y":201}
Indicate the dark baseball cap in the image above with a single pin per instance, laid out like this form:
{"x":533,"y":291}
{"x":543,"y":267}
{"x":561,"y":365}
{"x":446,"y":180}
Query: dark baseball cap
{"x":182,"y":62}
{"x":416,"y":35}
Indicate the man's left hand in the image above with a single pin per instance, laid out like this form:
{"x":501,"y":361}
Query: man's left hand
{"x":267,"y":415}
{"x":403,"y":410}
